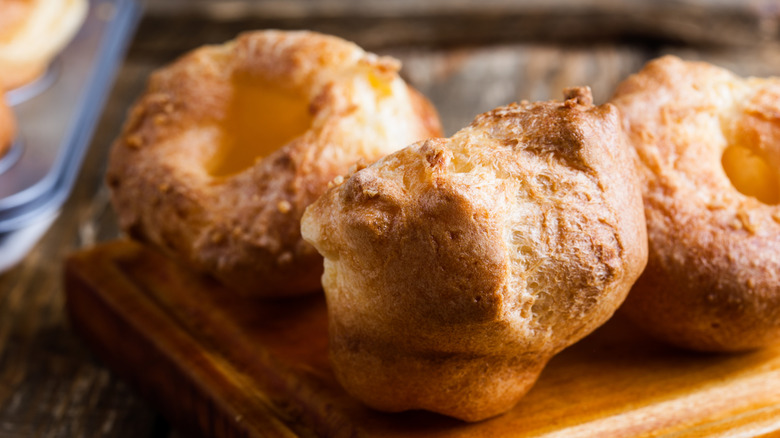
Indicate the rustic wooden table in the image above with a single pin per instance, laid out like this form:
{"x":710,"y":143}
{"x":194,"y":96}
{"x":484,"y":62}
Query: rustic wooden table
{"x":466,"y":58}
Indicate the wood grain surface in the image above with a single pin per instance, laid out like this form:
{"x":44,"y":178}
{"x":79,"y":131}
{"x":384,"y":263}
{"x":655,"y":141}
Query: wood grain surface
{"x":52,"y":386}
{"x":228,"y":366}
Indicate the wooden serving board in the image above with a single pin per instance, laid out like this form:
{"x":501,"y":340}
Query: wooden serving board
{"x":220,"y":365}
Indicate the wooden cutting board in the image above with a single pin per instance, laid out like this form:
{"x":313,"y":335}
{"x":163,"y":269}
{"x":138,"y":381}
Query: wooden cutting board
{"x":224,"y":366}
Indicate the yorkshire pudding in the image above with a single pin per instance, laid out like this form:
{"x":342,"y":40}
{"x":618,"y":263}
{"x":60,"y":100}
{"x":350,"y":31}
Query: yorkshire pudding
{"x":708,"y":146}
{"x":32,"y":32}
{"x":456,"y":268}
{"x":7,"y":127}
{"x":229,"y":144}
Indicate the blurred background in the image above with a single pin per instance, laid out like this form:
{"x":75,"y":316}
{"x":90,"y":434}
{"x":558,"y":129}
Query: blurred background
{"x":466,"y":56}
{"x":513,"y":46}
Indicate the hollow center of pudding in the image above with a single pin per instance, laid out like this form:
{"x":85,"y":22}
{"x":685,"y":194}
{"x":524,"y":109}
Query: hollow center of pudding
{"x":261,"y":118}
{"x":751,"y":174}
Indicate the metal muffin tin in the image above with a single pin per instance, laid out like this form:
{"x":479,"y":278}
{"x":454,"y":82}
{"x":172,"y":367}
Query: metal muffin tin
{"x":56,"y":116}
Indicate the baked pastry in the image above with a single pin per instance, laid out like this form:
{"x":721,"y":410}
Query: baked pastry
{"x":229,"y":144}
{"x":7,"y":127}
{"x":32,"y":32}
{"x":456,"y":268}
{"x":708,"y":144}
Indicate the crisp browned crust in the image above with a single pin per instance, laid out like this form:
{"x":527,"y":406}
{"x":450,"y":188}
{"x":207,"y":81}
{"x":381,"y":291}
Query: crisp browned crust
{"x":245,"y":229}
{"x":25,"y":51}
{"x":455,"y":268}
{"x":7,"y":127}
{"x":713,"y":275}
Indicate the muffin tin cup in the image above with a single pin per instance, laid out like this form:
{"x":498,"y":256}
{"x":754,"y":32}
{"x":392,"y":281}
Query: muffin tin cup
{"x":56,"y":115}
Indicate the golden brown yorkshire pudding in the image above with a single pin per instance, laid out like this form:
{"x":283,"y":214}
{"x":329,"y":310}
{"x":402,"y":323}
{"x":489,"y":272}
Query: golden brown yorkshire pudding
{"x":456,"y":268}
{"x":220,"y":156}
{"x":7,"y":127}
{"x":32,"y":32}
{"x":708,"y":144}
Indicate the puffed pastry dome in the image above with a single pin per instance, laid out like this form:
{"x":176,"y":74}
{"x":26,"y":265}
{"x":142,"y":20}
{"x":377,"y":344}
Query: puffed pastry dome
{"x":456,"y":268}
{"x":32,"y":33}
{"x":708,"y":147}
{"x":229,"y":144}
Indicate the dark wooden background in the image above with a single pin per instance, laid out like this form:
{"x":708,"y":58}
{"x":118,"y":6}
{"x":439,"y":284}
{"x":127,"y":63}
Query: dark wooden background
{"x":467,"y":56}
